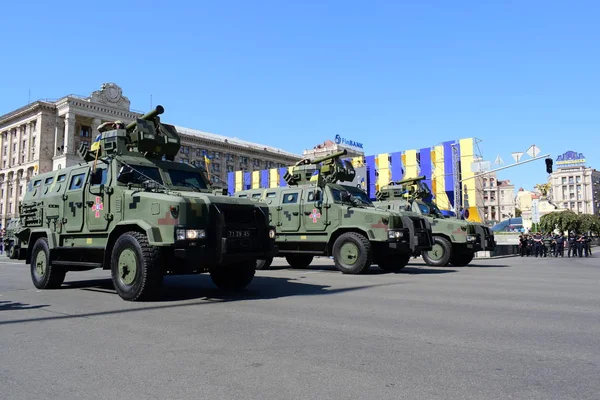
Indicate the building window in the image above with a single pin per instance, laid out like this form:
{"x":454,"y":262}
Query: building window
{"x":24,"y":143}
{"x":217,"y":155}
{"x":20,"y":190}
{"x":564,"y":180}
{"x":86,"y":131}
{"x":578,"y":179}
{"x":571,"y":180}
{"x":230,"y":168}
{"x":14,"y":147}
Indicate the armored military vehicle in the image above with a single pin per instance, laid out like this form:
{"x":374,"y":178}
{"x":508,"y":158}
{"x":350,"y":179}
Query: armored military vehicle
{"x":12,"y":244}
{"x":456,"y":240}
{"x":317,"y":215}
{"x":131,"y":209}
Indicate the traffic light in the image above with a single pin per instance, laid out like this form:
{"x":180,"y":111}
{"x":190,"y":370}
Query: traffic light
{"x":549,"y":165}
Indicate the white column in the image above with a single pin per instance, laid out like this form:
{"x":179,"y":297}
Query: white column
{"x":69,"y":139}
{"x":95,"y":123}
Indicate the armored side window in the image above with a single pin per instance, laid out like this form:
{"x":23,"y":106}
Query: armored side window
{"x":290,"y":198}
{"x":270,"y":195}
{"x":103,"y":181}
{"x":256,"y":195}
{"x":243,"y":196}
{"x":61,"y":178}
{"x":77,"y":181}
{"x":314,"y":195}
{"x":37,"y":183}
{"x":48,"y":181}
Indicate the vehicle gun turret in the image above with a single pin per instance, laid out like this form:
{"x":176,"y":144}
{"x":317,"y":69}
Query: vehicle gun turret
{"x":145,"y":135}
{"x":406,"y":189}
{"x":322,"y":170}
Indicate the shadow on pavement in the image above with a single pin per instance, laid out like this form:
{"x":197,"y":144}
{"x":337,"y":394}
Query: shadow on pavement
{"x":201,"y":288}
{"x":373,"y":270}
{"x":10,"y":305}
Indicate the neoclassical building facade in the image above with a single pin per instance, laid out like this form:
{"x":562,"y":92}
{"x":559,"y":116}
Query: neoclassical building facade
{"x":45,"y":135}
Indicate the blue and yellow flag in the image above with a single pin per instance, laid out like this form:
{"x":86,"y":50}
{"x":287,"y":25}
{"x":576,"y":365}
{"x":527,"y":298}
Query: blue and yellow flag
{"x":96,"y":143}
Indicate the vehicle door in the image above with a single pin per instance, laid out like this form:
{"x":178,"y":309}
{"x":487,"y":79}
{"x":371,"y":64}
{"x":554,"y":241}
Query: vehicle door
{"x":289,"y":210}
{"x":73,"y":199}
{"x":97,"y":200}
{"x":313,"y":212}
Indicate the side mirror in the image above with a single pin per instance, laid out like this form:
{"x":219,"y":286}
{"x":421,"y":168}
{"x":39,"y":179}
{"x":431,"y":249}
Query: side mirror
{"x":96,"y":178}
{"x":125,"y":175}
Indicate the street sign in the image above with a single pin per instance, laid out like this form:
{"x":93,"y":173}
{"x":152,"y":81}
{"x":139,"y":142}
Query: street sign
{"x":535,"y":211}
{"x":517,"y":155}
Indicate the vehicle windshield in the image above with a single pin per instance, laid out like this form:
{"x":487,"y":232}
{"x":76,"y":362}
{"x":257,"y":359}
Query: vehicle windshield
{"x":142,"y":173}
{"x":359,"y":194}
{"x":427,"y":208}
{"x":191,"y":179}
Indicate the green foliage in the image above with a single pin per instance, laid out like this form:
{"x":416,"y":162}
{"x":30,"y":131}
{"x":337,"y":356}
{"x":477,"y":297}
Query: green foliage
{"x":518,"y":212}
{"x":569,"y":221}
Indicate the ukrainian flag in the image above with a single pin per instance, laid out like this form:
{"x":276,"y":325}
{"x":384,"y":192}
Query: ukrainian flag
{"x":96,"y":144}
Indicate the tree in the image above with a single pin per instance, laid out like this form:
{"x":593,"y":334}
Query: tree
{"x":518,"y":212}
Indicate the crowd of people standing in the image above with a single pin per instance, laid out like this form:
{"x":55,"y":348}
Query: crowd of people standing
{"x":548,"y":245}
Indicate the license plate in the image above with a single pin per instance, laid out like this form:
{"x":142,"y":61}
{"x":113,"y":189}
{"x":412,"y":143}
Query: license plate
{"x":238,"y":233}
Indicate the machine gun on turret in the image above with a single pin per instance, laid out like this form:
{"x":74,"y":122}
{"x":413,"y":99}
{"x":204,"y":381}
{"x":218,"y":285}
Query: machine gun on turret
{"x":145,"y":135}
{"x":405,"y":189}
{"x":322,"y":170}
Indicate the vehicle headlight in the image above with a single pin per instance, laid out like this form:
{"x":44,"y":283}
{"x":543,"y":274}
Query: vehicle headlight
{"x":395,"y":234}
{"x":272,"y":233}
{"x":471,"y":238}
{"x":190,"y":234}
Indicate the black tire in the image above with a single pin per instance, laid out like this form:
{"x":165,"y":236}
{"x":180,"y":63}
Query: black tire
{"x":12,"y":253}
{"x":264,"y":264}
{"x":440,"y":254}
{"x":233,"y":277}
{"x":299,"y":261}
{"x":393,"y":263}
{"x":43,"y":274}
{"x":462,"y":259}
{"x":132,"y":250}
{"x":352,"y":263}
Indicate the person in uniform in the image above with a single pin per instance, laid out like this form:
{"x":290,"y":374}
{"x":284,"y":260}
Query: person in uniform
{"x":583,"y":245}
{"x":560,"y":245}
{"x":522,"y":244}
{"x":537,"y":244}
{"x":529,"y":245}
{"x":572,"y":242}
{"x":589,"y":244}
{"x":552,"y":243}
{"x":547,"y":243}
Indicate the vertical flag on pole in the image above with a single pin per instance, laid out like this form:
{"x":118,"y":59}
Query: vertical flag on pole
{"x":206,"y":164}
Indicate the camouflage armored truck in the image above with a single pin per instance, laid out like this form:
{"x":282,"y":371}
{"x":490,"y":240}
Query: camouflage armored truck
{"x":456,"y":240}
{"x":12,"y":244}
{"x":317,"y":216}
{"x":131,"y":209}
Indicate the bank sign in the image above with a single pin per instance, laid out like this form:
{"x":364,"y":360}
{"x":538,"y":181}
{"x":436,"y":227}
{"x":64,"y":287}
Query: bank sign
{"x":570,"y":158}
{"x":347,"y":142}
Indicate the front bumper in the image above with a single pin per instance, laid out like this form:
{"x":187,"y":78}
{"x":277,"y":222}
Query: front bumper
{"x":420,"y":235}
{"x":485,"y":239}
{"x":400,"y":244}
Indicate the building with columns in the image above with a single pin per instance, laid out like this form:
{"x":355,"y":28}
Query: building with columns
{"x":46,"y":134}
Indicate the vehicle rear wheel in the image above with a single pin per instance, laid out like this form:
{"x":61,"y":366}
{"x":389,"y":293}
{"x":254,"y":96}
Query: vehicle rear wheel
{"x":299,"y":260}
{"x":136,"y":267}
{"x":43,"y":274}
{"x":233,"y":277}
{"x":393,"y":263}
{"x":352,"y":253}
{"x":12,"y":253}
{"x":264,"y":264}
{"x":440,"y":253}
{"x":462,"y":259}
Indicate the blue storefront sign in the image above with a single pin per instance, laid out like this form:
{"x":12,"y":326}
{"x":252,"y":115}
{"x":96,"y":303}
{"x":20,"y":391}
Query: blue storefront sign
{"x":347,"y":142}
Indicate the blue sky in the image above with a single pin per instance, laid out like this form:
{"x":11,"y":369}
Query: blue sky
{"x":393,"y":75}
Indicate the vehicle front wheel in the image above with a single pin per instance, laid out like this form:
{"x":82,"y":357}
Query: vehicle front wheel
{"x":264,"y":264}
{"x":440,"y":253}
{"x":235,"y":276}
{"x":12,"y":253}
{"x":136,"y":267}
{"x":299,"y":260}
{"x":462,"y":259}
{"x":393,"y":263}
{"x":43,"y":274}
{"x":352,"y":253}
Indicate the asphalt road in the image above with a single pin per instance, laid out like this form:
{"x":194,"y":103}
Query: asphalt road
{"x":508,"y":328}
